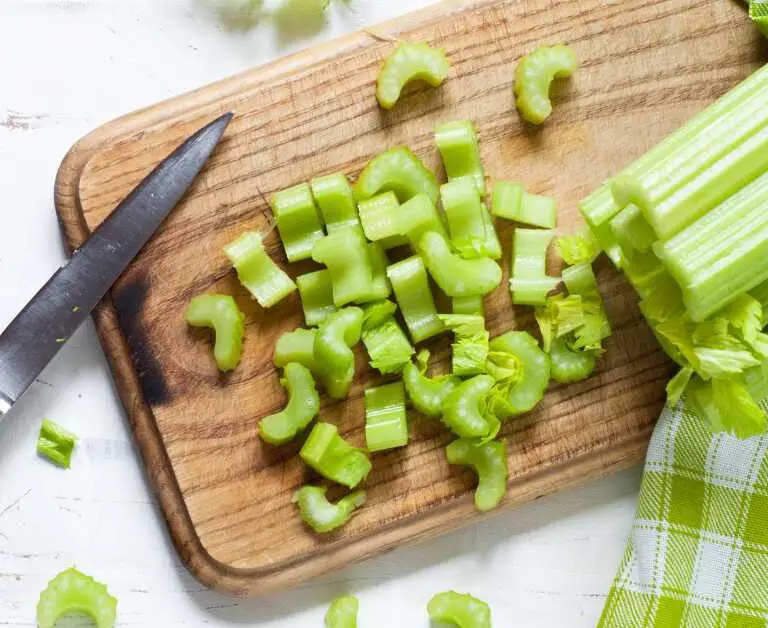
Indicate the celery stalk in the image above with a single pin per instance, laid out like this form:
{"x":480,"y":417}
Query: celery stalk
{"x":316,"y":292}
{"x":529,"y":283}
{"x":346,"y":254}
{"x":379,"y":217}
{"x":414,"y":296}
{"x":386,"y":423}
{"x":298,"y":221}
{"x":334,"y":197}
{"x":459,"y":149}
{"x":470,"y":225}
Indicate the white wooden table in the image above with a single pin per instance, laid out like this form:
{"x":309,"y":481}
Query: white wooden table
{"x":67,"y":66}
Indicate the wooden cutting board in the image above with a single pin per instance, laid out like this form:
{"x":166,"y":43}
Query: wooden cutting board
{"x":646,"y":67}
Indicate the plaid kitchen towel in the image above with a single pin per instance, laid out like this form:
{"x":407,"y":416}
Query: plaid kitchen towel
{"x":698,"y":553}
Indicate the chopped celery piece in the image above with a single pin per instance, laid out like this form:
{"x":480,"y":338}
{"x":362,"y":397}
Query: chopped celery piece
{"x":386,"y":343}
{"x":303,"y":406}
{"x":74,"y":592}
{"x":467,"y":305}
{"x":599,"y":207}
{"x":463,"y":408}
{"x":397,"y":170}
{"x":569,"y":365}
{"x":580,"y":248}
{"x":334,"y":197}
{"x":418,"y":216}
{"x":460,"y":609}
{"x":470,"y":347}
{"x":521,"y":370}
{"x":297,"y":221}
{"x":427,"y":394}
{"x":342,"y":613}
{"x":316,"y":292}
{"x":632,"y":230}
{"x":581,"y":280}
{"x":414,"y":296}
{"x":379,"y":217}
{"x":727,"y":406}
{"x":677,"y":385}
{"x":758,"y":13}
{"x":559,"y":316}
{"x":334,"y":359}
{"x":489,"y":460}
{"x":510,"y":201}
{"x":460,"y":152}
{"x":346,"y":254}
{"x":296,"y":346}
{"x":380,"y":286}
{"x":470,"y":224}
{"x":264,"y":279}
{"x":409,"y":62}
{"x":458,"y":277}
{"x":386,"y":423}
{"x":333,"y":457}
{"x":320,"y":514}
{"x":56,"y":444}
{"x":529,"y":282}
{"x":220,"y":313}
{"x":534,"y":75}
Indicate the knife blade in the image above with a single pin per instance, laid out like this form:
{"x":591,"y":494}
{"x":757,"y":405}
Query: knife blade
{"x":38,"y":332}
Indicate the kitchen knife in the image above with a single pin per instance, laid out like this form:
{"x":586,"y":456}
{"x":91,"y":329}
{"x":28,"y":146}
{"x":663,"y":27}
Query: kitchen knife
{"x":63,"y":303}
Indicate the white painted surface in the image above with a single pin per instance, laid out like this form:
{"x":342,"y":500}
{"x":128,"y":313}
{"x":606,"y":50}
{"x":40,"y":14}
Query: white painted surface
{"x":67,"y":66}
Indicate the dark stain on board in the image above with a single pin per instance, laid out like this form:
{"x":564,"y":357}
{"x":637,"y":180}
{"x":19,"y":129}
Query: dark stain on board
{"x":129,"y":302}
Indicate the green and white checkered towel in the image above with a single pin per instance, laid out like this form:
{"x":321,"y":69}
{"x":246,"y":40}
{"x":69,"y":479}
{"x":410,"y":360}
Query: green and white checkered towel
{"x":698,"y":554}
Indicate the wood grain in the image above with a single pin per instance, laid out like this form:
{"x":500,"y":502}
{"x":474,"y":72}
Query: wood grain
{"x":645,"y":69}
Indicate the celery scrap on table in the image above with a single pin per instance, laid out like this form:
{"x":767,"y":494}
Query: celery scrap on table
{"x":414,"y":296}
{"x":511,"y":201}
{"x":534,"y":75}
{"x":348,"y":258}
{"x":469,"y":223}
{"x":489,"y":461}
{"x":333,"y":356}
{"x":298,"y":221}
{"x":256,"y":270}
{"x":460,"y":152}
{"x":296,"y":346}
{"x":386,"y":422}
{"x":409,"y":62}
{"x":529,"y":282}
{"x":342,"y":613}
{"x":380,"y":218}
{"x":464,"y":409}
{"x":397,"y":170}
{"x":333,"y":457}
{"x":459,"y":609}
{"x":456,"y":276}
{"x":322,"y":515}
{"x":303,"y":406}
{"x":334,"y":197}
{"x":73,"y":592}
{"x":220,"y":313}
{"x":316,"y":293}
{"x":56,"y":444}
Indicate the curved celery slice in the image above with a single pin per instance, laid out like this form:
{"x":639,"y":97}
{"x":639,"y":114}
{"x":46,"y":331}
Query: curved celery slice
{"x":397,"y":170}
{"x":74,"y":592}
{"x":418,"y":216}
{"x":463,"y":408}
{"x":468,"y":305}
{"x":296,"y":346}
{"x":460,"y":152}
{"x":511,"y":201}
{"x":380,"y":216}
{"x":470,"y":224}
{"x":579,"y":248}
{"x":316,"y":292}
{"x":525,"y":381}
{"x":427,"y":394}
{"x":409,"y":62}
{"x":303,"y":406}
{"x":320,"y":514}
{"x":460,"y":609}
{"x":386,"y":422}
{"x":470,"y":348}
{"x":489,"y":460}
{"x":342,"y":612}
{"x":386,"y":343}
{"x":333,"y":457}
{"x":570,"y":366}
{"x":297,"y":221}
{"x":380,"y":286}
{"x":333,"y":357}
{"x":346,"y":254}
{"x":334,"y":197}
{"x":414,"y":296}
{"x":220,"y":313}
{"x":529,"y":282}
{"x":458,"y":277}
{"x":56,"y":444}
{"x":535,"y":73}
{"x":264,"y":279}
